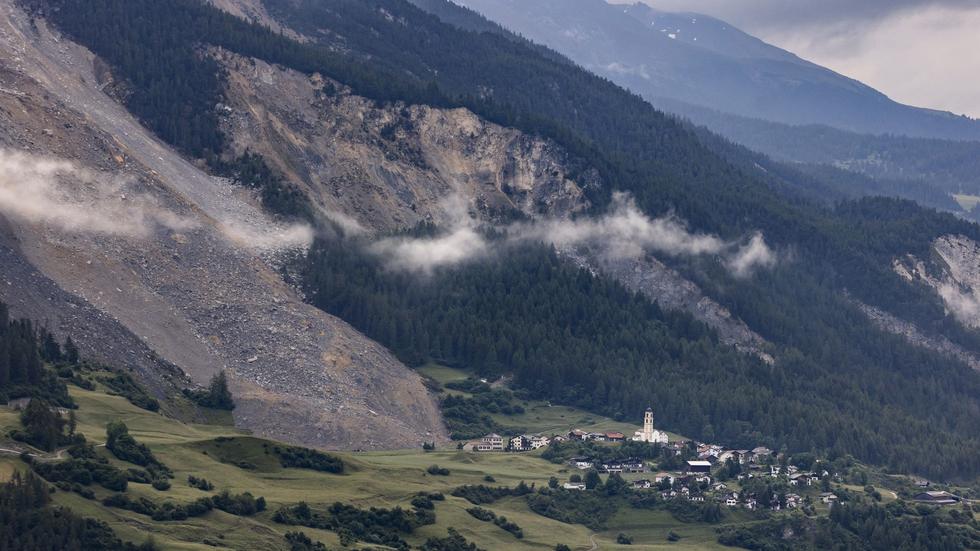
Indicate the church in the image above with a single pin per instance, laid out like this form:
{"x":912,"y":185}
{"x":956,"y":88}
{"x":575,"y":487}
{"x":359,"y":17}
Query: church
{"x":649,"y":434}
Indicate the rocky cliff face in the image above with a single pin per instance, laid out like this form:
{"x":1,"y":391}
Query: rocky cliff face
{"x":389,"y":168}
{"x":180,"y":267}
{"x":953,"y":271}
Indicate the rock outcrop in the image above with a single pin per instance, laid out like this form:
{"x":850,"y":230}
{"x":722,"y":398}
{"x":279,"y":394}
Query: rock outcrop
{"x":953,"y":271}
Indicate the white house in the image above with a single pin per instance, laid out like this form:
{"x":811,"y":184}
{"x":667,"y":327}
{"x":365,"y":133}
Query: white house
{"x":491,"y":443}
{"x":573,"y":486}
{"x":539,"y":442}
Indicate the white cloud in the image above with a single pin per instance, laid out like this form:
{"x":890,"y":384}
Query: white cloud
{"x":60,"y":195}
{"x":623,"y":232}
{"x":56,"y":193}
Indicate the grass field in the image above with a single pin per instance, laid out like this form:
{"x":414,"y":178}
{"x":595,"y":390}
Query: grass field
{"x":382,"y":479}
{"x":540,"y":417}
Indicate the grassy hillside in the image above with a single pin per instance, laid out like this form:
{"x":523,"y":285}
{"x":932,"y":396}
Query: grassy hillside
{"x":381,"y":479}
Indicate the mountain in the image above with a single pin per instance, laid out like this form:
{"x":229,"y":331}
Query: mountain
{"x":271,"y":228}
{"x":466,"y":199}
{"x":710,"y":63}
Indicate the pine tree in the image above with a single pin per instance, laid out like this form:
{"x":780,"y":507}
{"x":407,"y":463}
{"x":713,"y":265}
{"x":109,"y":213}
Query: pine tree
{"x":71,"y":352}
{"x":219,"y":397}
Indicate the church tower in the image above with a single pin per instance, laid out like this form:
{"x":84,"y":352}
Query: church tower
{"x":648,"y":425}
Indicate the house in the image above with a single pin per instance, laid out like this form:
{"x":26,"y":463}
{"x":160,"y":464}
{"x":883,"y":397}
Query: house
{"x":642,"y":484}
{"x":577,"y":434}
{"x":936,"y":498}
{"x":793,"y":501}
{"x":751,"y":504}
{"x":19,"y":404}
{"x":539,"y":442}
{"x":803,"y":479}
{"x":519,"y":444}
{"x":709,"y":452}
{"x":573,"y":486}
{"x":774,"y":471}
{"x":734,"y":455}
{"x":660,"y":477}
{"x":732,"y":500}
{"x":491,"y":443}
{"x":624,"y":466}
{"x":719,"y":487}
{"x":922,"y":483}
{"x":702,"y":478}
{"x":615,"y":437}
{"x":760,"y":453}
{"x":694,"y":467}
{"x":829,"y":498}
{"x":581,"y":463}
{"x":697,"y":498}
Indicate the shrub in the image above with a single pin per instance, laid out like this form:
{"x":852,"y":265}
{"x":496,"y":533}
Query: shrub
{"x":479,"y":513}
{"x":436,"y":470}
{"x":305,"y":458}
{"x":482,"y":495}
{"x":126,"y":448}
{"x":200,"y":483}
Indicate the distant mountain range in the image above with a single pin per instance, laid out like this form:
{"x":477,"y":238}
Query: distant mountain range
{"x":707,"y":62}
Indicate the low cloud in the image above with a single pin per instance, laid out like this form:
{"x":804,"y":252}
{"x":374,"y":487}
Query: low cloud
{"x":623,"y":232}
{"x":295,"y":236}
{"x":56,"y":193}
{"x":755,"y":254}
{"x":427,"y":254}
{"x":460,"y":243}
{"x":964,"y":305}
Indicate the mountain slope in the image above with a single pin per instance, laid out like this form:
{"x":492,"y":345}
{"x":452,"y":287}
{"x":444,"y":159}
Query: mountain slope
{"x":704,"y":61}
{"x":183,"y":260}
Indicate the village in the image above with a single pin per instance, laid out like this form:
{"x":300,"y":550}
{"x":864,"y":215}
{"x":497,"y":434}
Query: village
{"x":752,"y":479}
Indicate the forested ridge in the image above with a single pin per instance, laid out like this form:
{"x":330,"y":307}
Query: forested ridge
{"x":572,"y":338}
{"x":839,"y":385}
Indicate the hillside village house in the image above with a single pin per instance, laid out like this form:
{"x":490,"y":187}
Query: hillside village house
{"x":490,"y":443}
{"x":624,"y":466}
{"x":937,"y":498}
{"x":698,"y":467}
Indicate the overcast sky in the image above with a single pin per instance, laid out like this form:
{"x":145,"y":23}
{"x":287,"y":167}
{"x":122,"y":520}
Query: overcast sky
{"x":920,"y":52}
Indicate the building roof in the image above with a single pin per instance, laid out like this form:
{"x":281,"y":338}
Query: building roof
{"x":699,"y":463}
